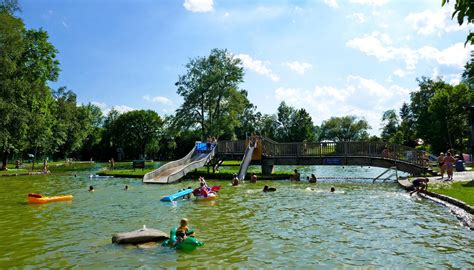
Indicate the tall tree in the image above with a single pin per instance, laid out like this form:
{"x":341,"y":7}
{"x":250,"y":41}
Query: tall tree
{"x":463,"y":9}
{"x":391,"y":124}
{"x":138,"y":132}
{"x":27,"y":63}
{"x":212,"y":98}
{"x":346,"y":128}
{"x":294,"y":125}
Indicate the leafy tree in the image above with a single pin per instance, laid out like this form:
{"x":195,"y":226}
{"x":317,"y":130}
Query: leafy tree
{"x":27,"y":63}
{"x":138,"y":132}
{"x":346,"y":128}
{"x":449,"y":117}
{"x":249,"y":121}
{"x":463,"y":9}
{"x":92,"y":124}
{"x":468,"y":74}
{"x":268,"y":126}
{"x":294,"y":125}
{"x":391,"y":125}
{"x":213,"y":101}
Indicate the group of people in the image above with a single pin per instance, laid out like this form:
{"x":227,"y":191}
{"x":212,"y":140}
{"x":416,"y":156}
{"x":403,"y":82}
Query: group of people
{"x":236,"y":181}
{"x":92,"y":189}
{"x":446,"y":164}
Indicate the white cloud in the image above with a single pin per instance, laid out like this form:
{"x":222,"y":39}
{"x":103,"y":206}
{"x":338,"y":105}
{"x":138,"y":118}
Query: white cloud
{"x":331,"y":3}
{"x":359,"y":96}
{"x":379,"y":45}
{"x":434,"y":22}
{"x":401,"y":73}
{"x":357,"y":17}
{"x":106,"y":109}
{"x":123,"y":108}
{"x":158,"y":99}
{"x":199,"y":5}
{"x":370,"y":2}
{"x":257,"y":66}
{"x":298,"y":67}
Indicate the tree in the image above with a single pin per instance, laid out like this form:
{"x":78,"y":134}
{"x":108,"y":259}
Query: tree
{"x":468,"y":74}
{"x":463,"y":9}
{"x":213,"y":101}
{"x":268,"y":126}
{"x":294,"y":125}
{"x":449,"y":117}
{"x":391,"y":124}
{"x":27,"y":63}
{"x":138,"y":132}
{"x":346,"y":128}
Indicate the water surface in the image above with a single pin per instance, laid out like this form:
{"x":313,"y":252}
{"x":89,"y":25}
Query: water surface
{"x":362,"y":224}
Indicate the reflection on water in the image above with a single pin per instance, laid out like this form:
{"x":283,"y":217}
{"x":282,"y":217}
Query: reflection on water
{"x":361,"y":224}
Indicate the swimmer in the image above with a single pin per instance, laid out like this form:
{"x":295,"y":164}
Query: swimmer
{"x":312,"y":179}
{"x":268,"y":189}
{"x":235,"y":181}
{"x":253,"y":178}
{"x":126,"y":187}
{"x":91,"y":189}
{"x":333,"y":189}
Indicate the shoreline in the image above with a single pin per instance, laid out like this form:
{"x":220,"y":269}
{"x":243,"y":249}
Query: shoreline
{"x":460,"y":209}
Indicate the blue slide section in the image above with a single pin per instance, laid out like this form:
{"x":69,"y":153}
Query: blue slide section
{"x":177,"y":195}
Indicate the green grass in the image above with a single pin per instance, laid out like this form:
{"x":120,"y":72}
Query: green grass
{"x":138,"y":173}
{"x":463,"y":191}
{"x":13,"y":171}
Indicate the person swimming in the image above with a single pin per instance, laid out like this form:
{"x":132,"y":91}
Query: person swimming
{"x":235,"y":180}
{"x":126,"y":187}
{"x":268,"y":189}
{"x":91,"y":189}
{"x":333,"y":189}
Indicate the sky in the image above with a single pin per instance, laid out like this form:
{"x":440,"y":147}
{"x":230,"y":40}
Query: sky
{"x":330,"y":57}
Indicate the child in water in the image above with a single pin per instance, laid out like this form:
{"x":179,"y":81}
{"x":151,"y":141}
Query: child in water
{"x":183,"y":231}
{"x":91,"y":189}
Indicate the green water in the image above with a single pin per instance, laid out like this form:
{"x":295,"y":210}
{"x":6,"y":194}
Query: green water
{"x":362,"y":224}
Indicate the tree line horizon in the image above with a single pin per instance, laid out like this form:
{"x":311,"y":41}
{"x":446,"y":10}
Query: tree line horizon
{"x":49,"y":123}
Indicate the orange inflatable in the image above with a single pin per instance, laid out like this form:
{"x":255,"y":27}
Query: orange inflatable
{"x":38,"y":198}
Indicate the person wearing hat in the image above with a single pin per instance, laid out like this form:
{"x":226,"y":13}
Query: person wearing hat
{"x":441,"y":164}
{"x":235,"y":180}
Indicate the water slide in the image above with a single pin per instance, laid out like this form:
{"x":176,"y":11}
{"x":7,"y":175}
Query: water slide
{"x":244,"y":166}
{"x":175,"y":170}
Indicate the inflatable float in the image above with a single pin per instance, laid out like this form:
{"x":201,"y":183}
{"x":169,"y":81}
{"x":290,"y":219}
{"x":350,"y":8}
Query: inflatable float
{"x":177,"y":195}
{"x":38,"y":198}
{"x":209,"y":197}
{"x":188,"y":244}
{"x":140,"y":236}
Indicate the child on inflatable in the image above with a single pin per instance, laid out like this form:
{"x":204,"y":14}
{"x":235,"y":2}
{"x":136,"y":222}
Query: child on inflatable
{"x":183,"y":231}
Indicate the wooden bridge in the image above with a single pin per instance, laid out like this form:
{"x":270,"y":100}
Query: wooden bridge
{"x":269,"y":153}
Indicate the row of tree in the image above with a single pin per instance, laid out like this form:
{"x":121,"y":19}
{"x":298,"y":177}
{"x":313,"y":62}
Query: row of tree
{"x":38,"y":120}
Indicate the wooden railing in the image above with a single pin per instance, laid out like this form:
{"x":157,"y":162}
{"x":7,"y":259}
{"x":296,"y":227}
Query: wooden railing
{"x":344,"y":149}
{"x":328,"y":149}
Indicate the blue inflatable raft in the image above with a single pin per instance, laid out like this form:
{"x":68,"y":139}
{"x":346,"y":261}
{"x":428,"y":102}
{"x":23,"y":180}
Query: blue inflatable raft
{"x":177,"y":195}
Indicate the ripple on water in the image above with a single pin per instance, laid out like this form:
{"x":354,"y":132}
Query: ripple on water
{"x":360,"y":225}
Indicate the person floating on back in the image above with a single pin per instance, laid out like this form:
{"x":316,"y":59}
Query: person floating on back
{"x":420,"y":185}
{"x":91,"y":189}
{"x":268,"y":189}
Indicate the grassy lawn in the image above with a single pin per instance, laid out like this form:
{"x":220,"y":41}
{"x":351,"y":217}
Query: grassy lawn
{"x":138,"y":173}
{"x":13,"y":171}
{"x":463,"y":191}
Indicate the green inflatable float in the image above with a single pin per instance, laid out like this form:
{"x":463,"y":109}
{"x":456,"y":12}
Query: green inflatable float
{"x":188,"y":244}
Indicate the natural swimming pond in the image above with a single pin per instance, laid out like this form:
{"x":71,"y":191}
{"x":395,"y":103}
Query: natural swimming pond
{"x":362,"y":224}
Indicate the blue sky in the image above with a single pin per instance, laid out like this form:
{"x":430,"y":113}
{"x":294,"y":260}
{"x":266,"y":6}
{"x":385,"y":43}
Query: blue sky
{"x":331,"y":57}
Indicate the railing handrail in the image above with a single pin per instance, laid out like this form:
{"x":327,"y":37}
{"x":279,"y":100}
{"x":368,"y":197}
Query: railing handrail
{"x":383,"y":150}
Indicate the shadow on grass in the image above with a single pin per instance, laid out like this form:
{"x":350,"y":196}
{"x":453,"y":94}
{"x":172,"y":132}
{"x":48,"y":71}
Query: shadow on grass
{"x":468,"y":184}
